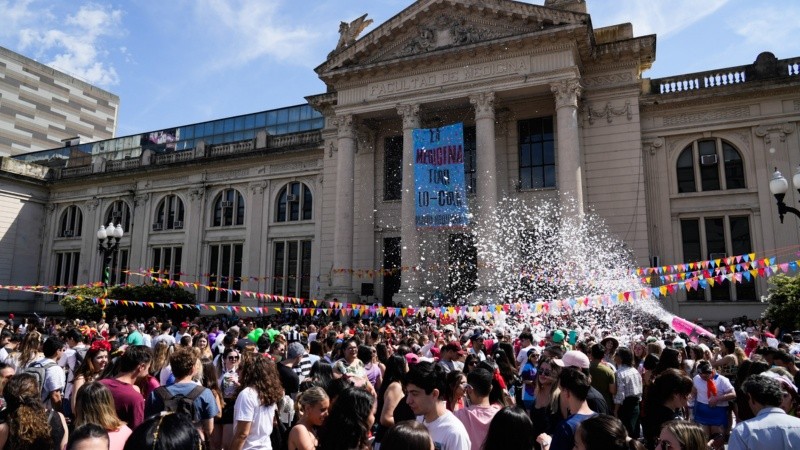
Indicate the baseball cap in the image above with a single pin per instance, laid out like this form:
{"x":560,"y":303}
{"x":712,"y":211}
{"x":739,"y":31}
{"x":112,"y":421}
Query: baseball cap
{"x":411,"y":358}
{"x":455,"y":347}
{"x":575,"y":358}
{"x":184,"y":324}
{"x":558,"y":336}
{"x":295,"y":349}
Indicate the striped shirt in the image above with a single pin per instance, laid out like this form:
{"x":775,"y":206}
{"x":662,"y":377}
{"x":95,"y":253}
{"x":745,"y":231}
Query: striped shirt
{"x":629,"y":384}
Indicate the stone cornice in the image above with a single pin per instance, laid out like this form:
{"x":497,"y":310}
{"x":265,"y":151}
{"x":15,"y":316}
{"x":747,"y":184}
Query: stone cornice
{"x":714,"y":96}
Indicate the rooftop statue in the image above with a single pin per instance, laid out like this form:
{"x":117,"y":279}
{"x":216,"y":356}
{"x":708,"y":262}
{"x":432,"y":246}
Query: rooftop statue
{"x":348,"y":32}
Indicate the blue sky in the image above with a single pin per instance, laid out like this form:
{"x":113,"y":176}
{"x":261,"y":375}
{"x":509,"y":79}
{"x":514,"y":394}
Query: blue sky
{"x":177,"y":62}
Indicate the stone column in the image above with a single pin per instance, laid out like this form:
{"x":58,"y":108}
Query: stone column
{"x":486,"y":169}
{"x":569,"y":175}
{"x":409,"y":238}
{"x":343,"y":227}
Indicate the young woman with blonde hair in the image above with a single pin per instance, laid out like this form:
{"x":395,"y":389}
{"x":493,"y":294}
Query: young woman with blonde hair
{"x":313,"y":405}
{"x":94,"y":404}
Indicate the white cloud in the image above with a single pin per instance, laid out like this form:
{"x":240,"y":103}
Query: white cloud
{"x":16,"y":14}
{"x":72,"y":44}
{"x":654,"y":16}
{"x":246,"y":30}
{"x":770,"y":27}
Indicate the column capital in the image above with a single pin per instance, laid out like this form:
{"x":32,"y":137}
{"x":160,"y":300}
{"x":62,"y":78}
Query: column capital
{"x":345,"y":125}
{"x":566,"y":92}
{"x":484,"y":104}
{"x":410,"y":115}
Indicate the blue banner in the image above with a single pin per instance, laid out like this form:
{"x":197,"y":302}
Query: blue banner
{"x":441,"y":200}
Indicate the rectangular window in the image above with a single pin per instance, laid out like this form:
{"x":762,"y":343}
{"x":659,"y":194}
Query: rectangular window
{"x":67,"y":264}
{"x":463,"y":262}
{"x":537,"y":161}
{"x":292,"y":268}
{"x":709,"y":166}
{"x":393,"y":168}
{"x":119,"y":267}
{"x":225,"y":269}
{"x":167,"y":262}
{"x":712,"y":238}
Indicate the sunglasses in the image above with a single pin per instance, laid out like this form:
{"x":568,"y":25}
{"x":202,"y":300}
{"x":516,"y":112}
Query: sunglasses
{"x":233,"y":358}
{"x":546,"y":372}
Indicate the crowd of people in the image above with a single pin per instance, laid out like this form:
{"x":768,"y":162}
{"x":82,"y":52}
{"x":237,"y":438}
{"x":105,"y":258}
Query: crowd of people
{"x":606,"y":378}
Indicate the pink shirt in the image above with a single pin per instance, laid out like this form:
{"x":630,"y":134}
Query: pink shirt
{"x":116,"y":439}
{"x":476,"y":420}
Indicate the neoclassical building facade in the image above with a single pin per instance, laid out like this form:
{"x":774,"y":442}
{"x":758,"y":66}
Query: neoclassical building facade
{"x":313,"y":201}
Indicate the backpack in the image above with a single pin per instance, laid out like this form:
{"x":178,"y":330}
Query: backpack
{"x":179,"y":403}
{"x":39,"y":371}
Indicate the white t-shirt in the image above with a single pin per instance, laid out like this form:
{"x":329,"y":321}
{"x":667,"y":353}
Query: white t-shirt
{"x":249,"y":409}
{"x":522,"y":357}
{"x":724,"y":386}
{"x":447,"y":432}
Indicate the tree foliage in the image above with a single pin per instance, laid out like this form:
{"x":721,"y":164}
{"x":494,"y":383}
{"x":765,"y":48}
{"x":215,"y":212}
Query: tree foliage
{"x":156,"y":293}
{"x":784,"y":302}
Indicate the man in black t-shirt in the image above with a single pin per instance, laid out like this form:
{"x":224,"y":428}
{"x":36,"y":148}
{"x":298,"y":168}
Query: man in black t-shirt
{"x":289,"y":379}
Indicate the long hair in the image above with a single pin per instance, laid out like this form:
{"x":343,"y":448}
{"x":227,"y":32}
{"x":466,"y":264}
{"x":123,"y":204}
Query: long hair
{"x":667,"y":384}
{"x":321,"y":373}
{"x":347,"y":425}
{"x":689,"y":434}
{"x":94,"y":404}
{"x":453,"y":382}
{"x":407,"y":435}
{"x":29,"y":348}
{"x":669,"y":359}
{"x":161,"y":354}
{"x":396,"y":366}
{"x":87,"y":368}
{"x":210,"y":378}
{"x":259,"y":373}
{"x":510,"y":429}
{"x":27,"y":418}
{"x":554,"y":391}
{"x":165,"y":432}
{"x":604,"y":432}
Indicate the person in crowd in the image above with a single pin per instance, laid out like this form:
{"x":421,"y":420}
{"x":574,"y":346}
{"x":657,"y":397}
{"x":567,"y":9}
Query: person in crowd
{"x":604,"y":432}
{"x":683,"y":435}
{"x":289,"y":378}
{"x":210,"y":381}
{"x":510,"y":429}
{"x":349,"y":421}
{"x":747,"y":368}
{"x":186,"y":367}
{"x":95,"y":405}
{"x":368,"y":356}
{"x":91,"y":367}
{"x":574,"y":387}
{"x":28,"y":351}
{"x":229,"y":384}
{"x":629,"y":391}
{"x":392,"y":407}
{"x":668,"y":400}
{"x":349,"y":365}
{"x":321,"y":375}
{"x":425,"y":386}
{"x":594,"y":398}
{"x":610,"y":345}
{"x":455,"y":390}
{"x":476,"y":346}
{"x":771,"y":428}
{"x":449,"y":355}
{"x":528,"y":377}
{"x":166,"y":431}
{"x":28,"y":425}
{"x":74,"y":353}
{"x":546,"y":412}
{"x":408,"y":435}
{"x":470,"y":362}
{"x":256,"y":404}
{"x":525,"y":346}
{"x":165,"y":335}
{"x":712,"y":392}
{"x":128,"y":399}
{"x":200,"y":341}
{"x":313,"y":405}
{"x":479,"y":414}
{"x":55,"y":379}
{"x":134,"y":336}
{"x":603,"y":376}
{"x":89,"y":436}
{"x":669,"y":359}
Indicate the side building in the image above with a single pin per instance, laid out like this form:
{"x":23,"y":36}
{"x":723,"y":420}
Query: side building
{"x":313,"y":201}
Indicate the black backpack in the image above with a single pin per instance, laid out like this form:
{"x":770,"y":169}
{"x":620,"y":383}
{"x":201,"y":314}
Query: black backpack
{"x":179,"y":403}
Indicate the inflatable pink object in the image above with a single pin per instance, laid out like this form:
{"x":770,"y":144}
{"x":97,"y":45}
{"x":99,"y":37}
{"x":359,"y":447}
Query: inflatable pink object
{"x":681,"y":325}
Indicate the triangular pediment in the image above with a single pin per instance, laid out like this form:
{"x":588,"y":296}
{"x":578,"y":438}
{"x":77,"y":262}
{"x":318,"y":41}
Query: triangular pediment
{"x":434,"y":25}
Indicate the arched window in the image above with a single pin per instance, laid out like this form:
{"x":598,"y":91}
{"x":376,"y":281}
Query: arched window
{"x":710,"y":165}
{"x":228,"y":209}
{"x":119,"y":214}
{"x":169,"y":214}
{"x":295,"y":202}
{"x":71,"y":223}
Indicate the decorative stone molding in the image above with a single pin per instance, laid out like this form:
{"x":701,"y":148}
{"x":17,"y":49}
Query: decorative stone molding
{"x":774,"y":131}
{"x":197,"y":193}
{"x":345,"y":126}
{"x":50,"y":207}
{"x":258,"y":187}
{"x":229,"y":175}
{"x":609,"y":112}
{"x":92,"y":204}
{"x":140,"y":200}
{"x":331,"y":148}
{"x":566,"y":92}
{"x":707,"y":116}
{"x":410,"y":115}
{"x":484,"y":104}
{"x":652,"y":145}
{"x":797,"y":105}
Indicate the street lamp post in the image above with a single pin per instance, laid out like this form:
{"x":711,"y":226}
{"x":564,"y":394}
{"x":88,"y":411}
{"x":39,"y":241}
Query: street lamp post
{"x":108,"y":243}
{"x":779,"y":186}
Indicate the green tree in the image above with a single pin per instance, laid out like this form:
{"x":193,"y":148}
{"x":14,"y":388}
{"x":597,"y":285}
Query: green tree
{"x":78,"y":304}
{"x":784,"y":302}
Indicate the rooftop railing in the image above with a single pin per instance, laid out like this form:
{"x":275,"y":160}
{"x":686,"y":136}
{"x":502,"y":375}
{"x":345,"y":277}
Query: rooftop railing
{"x":766,"y":67}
